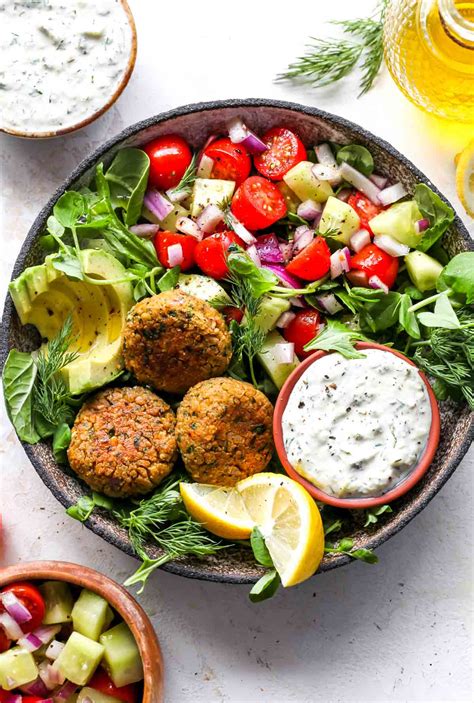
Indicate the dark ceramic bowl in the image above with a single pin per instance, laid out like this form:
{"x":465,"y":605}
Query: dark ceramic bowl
{"x":195,"y":123}
{"x":355,"y":503}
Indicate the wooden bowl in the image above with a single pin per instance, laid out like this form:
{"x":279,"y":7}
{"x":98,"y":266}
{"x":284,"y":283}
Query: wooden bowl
{"x":120,"y":599}
{"x":195,"y":123}
{"x":119,"y":90}
{"x":401,"y":488}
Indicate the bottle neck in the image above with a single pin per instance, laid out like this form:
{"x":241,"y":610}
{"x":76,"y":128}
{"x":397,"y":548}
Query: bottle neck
{"x":457,"y":17}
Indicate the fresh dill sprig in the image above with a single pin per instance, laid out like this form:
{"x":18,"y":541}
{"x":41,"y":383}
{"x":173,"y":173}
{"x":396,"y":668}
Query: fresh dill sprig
{"x":189,"y":176}
{"x":224,"y":205}
{"x":329,"y":60}
{"x":51,"y":395}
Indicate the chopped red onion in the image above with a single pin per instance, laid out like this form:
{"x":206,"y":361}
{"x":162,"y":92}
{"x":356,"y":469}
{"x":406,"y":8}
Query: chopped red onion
{"x":331,"y":174}
{"x":242,"y":232}
{"x":359,"y":240}
{"x":375,"y":282}
{"x":422,"y":225}
{"x":54,"y":649}
{"x":309,"y":209}
{"x":297,"y":301}
{"x":239,"y":133}
{"x":36,"y":688}
{"x":175,"y":255}
{"x":15,"y":607}
{"x":268,"y":249}
{"x":50,"y":675}
{"x":359,"y":181}
{"x":144,"y":231}
{"x":392,"y":194}
{"x":187,"y":226}
{"x":46,"y":632}
{"x":253,"y":254}
{"x":329,"y":303}
{"x":324,"y":155}
{"x":303,"y":240}
{"x":357,"y":278}
{"x":65,"y":691}
{"x":157,"y":203}
{"x":177,"y":196}
{"x":380,"y":181}
{"x":285,"y":278}
{"x":285,"y":319}
{"x":205,"y":166}
{"x":286,"y":249}
{"x":30,"y":642}
{"x":344,"y":194}
{"x":317,"y":219}
{"x":284,"y":352}
{"x":11,"y":697}
{"x":209,"y":218}
{"x":340,"y":262}
{"x":12,"y":629}
{"x":391,"y":245}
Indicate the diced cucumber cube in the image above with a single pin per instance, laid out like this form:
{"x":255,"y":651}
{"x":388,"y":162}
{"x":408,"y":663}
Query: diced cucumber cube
{"x":169,"y":223}
{"x":89,"y":614}
{"x":17,"y":668}
{"x":399,"y":221}
{"x":58,"y":602}
{"x":302,"y":181}
{"x":209,"y":191}
{"x":270,"y":311}
{"x":121,"y":655}
{"x":79,"y":659}
{"x":277,"y":371}
{"x":423,"y":270}
{"x":90,"y":695}
{"x":339,"y":218}
{"x":204,"y":288}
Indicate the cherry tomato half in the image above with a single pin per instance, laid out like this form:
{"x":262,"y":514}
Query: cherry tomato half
{"x":32,"y":699}
{"x":32,"y":599}
{"x":211,"y":253}
{"x":103,"y":683}
{"x":313,"y":262}
{"x":4,"y":643}
{"x":376,"y":262}
{"x":164,"y":240}
{"x":285,"y":150}
{"x":231,"y":161}
{"x":170,"y":156}
{"x":364,"y":208}
{"x":230,"y":313}
{"x":302,"y":329}
{"x":258,"y":203}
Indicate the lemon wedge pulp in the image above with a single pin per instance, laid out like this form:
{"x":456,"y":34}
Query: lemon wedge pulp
{"x":465,"y":178}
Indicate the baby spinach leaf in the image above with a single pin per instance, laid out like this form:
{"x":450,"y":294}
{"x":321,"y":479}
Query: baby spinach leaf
{"x":382,"y":314}
{"x":407,"y":318}
{"x":127,"y":177}
{"x":54,"y":227}
{"x":68,"y":263}
{"x":84,"y":507}
{"x":61,"y":441}
{"x":337,"y":337}
{"x":266,"y":587}
{"x":169,"y":280}
{"x":69,"y":208}
{"x":356,"y":156}
{"x":19,"y":374}
{"x":436,"y":211}
{"x":259,"y":548}
{"x":458,"y":275}
{"x":443,"y":315}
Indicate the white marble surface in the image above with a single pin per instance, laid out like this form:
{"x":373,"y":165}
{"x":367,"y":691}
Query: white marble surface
{"x":399,"y":631}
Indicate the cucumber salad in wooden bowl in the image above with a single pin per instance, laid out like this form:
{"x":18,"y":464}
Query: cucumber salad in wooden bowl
{"x":184,"y":275}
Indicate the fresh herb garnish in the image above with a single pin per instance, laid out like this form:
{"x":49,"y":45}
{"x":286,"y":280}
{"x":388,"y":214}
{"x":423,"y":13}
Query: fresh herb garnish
{"x":356,"y":156}
{"x":438,"y":213}
{"x":268,"y":584}
{"x":327,"y":61}
{"x":346,"y":546}
{"x":127,"y":176}
{"x":19,"y":375}
{"x":83,"y":509}
{"x":372,"y":514}
{"x":339,"y":338}
{"x":188,"y":178}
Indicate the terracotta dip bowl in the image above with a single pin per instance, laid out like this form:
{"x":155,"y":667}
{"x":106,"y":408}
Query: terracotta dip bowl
{"x":196,"y":123}
{"x":120,"y":599}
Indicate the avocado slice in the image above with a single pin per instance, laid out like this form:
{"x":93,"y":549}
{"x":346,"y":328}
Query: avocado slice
{"x":58,"y":602}
{"x":90,"y":695}
{"x":79,"y":659}
{"x":121,"y":655}
{"x":44,"y":297}
{"x":302,"y":181}
{"x":399,"y":222}
{"x":423,"y":270}
{"x":278,"y":372}
{"x":17,"y":668}
{"x":340,"y":217}
{"x":89,"y":615}
{"x":209,"y":191}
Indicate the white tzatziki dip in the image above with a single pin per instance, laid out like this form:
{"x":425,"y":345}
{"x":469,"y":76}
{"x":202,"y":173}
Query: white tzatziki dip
{"x":357,"y":427}
{"x":62,"y":60}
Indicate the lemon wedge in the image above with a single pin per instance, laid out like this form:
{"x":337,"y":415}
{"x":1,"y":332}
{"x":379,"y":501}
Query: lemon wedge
{"x":285,"y":513}
{"x":465,"y":177}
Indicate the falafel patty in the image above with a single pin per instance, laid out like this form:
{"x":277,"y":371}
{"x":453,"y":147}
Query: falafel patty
{"x":174,"y":340}
{"x":123,"y":442}
{"x":224,"y":431}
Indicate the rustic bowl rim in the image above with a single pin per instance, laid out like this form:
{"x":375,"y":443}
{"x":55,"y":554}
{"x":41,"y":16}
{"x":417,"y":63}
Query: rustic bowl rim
{"x":117,"y":596}
{"x":95,"y":115}
{"x":178,"y":567}
{"x":355,"y":503}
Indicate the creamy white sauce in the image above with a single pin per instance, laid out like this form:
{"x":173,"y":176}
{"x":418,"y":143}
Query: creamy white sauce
{"x":62,"y":60}
{"x":357,"y":427}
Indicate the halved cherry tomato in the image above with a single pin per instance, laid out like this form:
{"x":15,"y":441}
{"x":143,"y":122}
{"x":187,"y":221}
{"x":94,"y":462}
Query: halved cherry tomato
{"x":211,"y":253}
{"x":230,"y":313}
{"x":231,"y":161}
{"x":32,"y":699}
{"x":258,"y":203}
{"x":313,"y":262}
{"x":364,"y":208}
{"x":376,"y":262}
{"x":103,"y":683}
{"x":302,"y":329}
{"x":32,"y":599}
{"x":4,"y":642}
{"x":285,"y":150}
{"x":163,"y":240}
{"x":170,"y":156}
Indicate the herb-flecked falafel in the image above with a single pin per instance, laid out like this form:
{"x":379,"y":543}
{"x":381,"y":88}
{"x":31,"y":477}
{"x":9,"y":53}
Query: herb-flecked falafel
{"x":123,"y":441}
{"x":224,"y":431}
{"x":174,"y":340}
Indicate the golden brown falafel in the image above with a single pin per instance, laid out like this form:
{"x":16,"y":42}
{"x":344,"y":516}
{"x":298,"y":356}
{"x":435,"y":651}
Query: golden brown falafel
{"x":123,"y":441}
{"x":174,"y":340}
{"x":224,"y":431}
